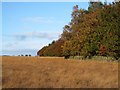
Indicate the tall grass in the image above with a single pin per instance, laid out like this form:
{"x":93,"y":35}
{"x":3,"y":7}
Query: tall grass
{"x":47,"y":72}
{"x":94,"y":58}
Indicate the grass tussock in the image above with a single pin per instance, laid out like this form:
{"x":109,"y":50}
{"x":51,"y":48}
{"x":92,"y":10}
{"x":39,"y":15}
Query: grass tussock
{"x":50,"y":72}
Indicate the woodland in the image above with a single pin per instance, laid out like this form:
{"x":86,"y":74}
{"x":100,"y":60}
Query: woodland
{"x":92,"y":32}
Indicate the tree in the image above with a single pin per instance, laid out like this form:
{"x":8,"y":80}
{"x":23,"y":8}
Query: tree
{"x":41,"y":52}
{"x":54,"y":49}
{"x":91,"y":32}
{"x":26,"y":55}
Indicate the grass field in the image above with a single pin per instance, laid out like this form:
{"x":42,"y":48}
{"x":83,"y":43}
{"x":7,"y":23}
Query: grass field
{"x":50,"y":72}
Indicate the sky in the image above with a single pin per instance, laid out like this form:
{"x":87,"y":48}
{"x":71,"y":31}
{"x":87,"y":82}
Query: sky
{"x":28,"y":26}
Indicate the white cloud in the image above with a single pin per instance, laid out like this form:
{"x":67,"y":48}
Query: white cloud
{"x":28,"y":45}
{"x":28,"y":41}
{"x":40,"y":35}
{"x":22,"y":47}
{"x":38,"y":19}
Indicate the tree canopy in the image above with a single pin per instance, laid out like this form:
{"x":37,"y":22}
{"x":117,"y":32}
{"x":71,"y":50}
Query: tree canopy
{"x":91,"y":32}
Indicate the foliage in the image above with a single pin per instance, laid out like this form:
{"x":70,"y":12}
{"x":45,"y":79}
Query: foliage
{"x":26,"y":55}
{"x":53,"y":49}
{"x":22,"y":55}
{"x":92,"y":32}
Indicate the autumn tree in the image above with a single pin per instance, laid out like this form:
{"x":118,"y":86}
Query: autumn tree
{"x":92,"y":32}
{"x":53,"y":49}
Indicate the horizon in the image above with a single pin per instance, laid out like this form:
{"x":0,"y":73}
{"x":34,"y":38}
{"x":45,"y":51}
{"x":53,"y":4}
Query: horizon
{"x":28,"y":26}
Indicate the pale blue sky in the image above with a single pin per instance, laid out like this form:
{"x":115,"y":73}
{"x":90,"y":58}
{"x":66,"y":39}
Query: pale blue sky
{"x":28,"y":26}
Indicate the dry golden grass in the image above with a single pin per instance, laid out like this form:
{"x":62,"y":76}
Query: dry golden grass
{"x":50,"y":72}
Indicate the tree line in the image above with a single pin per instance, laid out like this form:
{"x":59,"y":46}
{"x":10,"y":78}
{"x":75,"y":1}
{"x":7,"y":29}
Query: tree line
{"x":25,"y":55}
{"x":92,"y":32}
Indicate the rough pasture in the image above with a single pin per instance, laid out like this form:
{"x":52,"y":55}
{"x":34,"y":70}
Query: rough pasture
{"x":49,"y":72}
